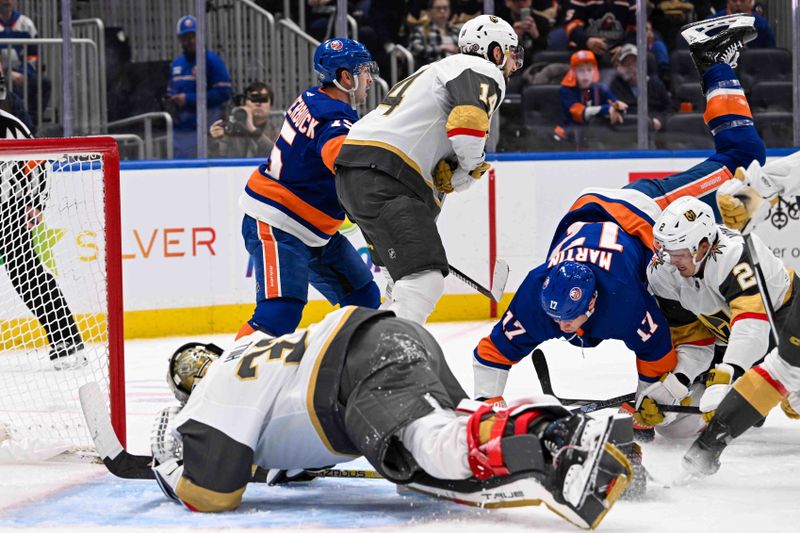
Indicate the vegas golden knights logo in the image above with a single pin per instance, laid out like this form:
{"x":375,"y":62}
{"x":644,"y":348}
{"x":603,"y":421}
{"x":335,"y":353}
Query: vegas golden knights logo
{"x":690,"y":215}
{"x":493,"y":19}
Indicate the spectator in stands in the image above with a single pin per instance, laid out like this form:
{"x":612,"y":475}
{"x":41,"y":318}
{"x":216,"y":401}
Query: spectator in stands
{"x":22,"y":59}
{"x":384,"y":21}
{"x":529,"y":23}
{"x":464,"y":10}
{"x":624,"y":87}
{"x":658,"y":48}
{"x":13,"y":104}
{"x":435,"y":39}
{"x":182,"y":89}
{"x":601,"y":26}
{"x":668,"y":16}
{"x":247,"y":132}
{"x":584,"y":99}
{"x":765,"y":37}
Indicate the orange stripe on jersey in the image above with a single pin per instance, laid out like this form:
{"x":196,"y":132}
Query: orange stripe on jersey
{"x":273,"y":190}
{"x":244,"y":331}
{"x":726,"y":104}
{"x":572,"y":25}
{"x":331,"y":150}
{"x":656,"y":369}
{"x":629,"y":221}
{"x":576,"y":110}
{"x":272,"y":275}
{"x":696,"y":188}
{"x":489,"y":352}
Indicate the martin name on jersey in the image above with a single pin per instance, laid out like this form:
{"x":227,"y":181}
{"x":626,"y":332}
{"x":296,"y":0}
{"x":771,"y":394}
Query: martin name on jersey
{"x":414,"y":128}
{"x":721,"y":303}
{"x":624,"y":309}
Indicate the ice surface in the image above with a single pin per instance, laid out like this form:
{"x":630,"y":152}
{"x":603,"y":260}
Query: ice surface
{"x":756,"y":490}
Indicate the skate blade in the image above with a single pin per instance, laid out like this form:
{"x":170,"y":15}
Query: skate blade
{"x":703,"y":30}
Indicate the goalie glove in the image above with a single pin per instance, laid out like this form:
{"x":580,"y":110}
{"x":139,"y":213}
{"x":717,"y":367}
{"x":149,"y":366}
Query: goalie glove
{"x":669,"y":390}
{"x":718,"y":384}
{"x":448,"y":177}
{"x":163,"y":443}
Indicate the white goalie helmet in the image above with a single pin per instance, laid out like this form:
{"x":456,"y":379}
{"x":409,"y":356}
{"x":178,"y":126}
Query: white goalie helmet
{"x":478,"y":34}
{"x":684,"y":224}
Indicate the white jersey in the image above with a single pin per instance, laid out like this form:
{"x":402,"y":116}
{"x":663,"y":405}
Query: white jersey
{"x":264,"y":393}
{"x":442,"y":111}
{"x":721,"y":304}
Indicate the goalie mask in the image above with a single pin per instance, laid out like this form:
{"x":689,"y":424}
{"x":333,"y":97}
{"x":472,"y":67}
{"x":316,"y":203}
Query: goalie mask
{"x":188,"y":365}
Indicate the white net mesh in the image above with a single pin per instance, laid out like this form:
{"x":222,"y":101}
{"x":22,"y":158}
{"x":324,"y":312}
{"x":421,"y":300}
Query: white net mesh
{"x":53,"y":294}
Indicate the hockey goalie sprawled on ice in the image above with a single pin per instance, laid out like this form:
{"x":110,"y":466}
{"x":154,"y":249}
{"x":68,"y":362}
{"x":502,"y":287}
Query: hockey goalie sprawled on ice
{"x":366,"y":383}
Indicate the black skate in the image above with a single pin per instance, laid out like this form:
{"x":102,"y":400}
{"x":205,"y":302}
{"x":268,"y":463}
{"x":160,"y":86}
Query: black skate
{"x":718,"y":40}
{"x":702,"y":459}
{"x":67,"y":355}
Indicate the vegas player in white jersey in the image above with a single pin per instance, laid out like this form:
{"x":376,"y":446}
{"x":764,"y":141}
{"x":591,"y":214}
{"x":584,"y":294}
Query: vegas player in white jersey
{"x":704,"y":282}
{"x":363,"y":382}
{"x":744,"y":203}
{"x":426,"y":139}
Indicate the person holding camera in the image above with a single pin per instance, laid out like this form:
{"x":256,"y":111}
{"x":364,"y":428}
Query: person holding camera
{"x":247,"y":132}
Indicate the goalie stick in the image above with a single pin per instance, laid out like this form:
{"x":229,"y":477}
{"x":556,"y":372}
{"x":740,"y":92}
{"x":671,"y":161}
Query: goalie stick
{"x":126,"y":465}
{"x":499,"y":279}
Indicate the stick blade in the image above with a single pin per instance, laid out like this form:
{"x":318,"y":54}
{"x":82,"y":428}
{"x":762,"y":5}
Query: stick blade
{"x":98,"y":421}
{"x":499,"y":279}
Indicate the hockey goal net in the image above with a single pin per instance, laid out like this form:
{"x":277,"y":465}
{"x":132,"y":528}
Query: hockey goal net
{"x":60,"y":287}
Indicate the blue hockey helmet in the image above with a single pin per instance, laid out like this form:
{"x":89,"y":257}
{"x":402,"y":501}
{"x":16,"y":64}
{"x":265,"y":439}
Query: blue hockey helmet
{"x":187,"y":24}
{"x":347,"y":54}
{"x":567,"y":291}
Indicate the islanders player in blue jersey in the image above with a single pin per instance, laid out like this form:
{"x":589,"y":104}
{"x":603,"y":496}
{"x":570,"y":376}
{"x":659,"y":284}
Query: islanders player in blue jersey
{"x":593,"y":285}
{"x":292,"y":215}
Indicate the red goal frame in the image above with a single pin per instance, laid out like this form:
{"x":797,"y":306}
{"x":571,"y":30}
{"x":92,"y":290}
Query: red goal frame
{"x":107,"y":148}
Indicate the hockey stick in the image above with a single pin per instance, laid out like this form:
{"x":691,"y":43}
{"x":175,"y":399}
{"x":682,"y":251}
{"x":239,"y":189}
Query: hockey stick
{"x":126,"y":465}
{"x":117,"y":460}
{"x":587,"y":406}
{"x":762,"y":287}
{"x":499,"y":279}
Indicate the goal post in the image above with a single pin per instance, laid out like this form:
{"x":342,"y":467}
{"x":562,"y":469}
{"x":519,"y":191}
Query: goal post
{"x":60,"y":286}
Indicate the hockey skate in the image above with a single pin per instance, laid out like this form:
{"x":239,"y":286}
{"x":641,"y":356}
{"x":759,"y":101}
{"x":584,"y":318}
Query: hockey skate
{"x":67,"y":355}
{"x":585,"y":477}
{"x":718,"y":40}
{"x":702,"y":459}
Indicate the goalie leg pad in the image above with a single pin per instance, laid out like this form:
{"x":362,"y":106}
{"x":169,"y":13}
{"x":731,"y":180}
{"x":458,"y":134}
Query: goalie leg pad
{"x":393,"y":368}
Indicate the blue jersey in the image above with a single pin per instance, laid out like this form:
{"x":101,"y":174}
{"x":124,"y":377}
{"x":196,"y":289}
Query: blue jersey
{"x":182,"y":79}
{"x":295,"y":190}
{"x":624,"y":309}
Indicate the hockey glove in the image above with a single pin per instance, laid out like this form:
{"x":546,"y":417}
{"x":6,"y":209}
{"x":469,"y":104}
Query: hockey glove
{"x":718,"y":384}
{"x":741,"y":206}
{"x":447,"y":178}
{"x":669,"y":390}
{"x":791,"y":406}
